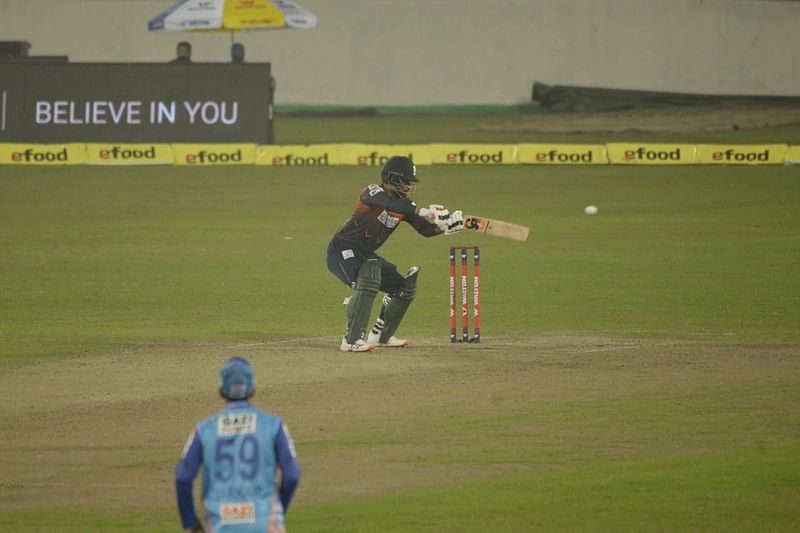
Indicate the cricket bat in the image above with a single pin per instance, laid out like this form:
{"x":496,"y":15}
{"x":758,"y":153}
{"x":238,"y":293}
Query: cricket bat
{"x":498,"y":228}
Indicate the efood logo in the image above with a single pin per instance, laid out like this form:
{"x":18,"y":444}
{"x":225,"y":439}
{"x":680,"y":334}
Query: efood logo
{"x":732,"y":155}
{"x":375,"y":159}
{"x":300,"y":161}
{"x":564,"y":157}
{"x":465,"y":156}
{"x":117,"y":152}
{"x":40,"y":156}
{"x":643,"y":154}
{"x":204,"y":157}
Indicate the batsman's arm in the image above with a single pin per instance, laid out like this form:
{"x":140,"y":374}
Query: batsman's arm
{"x":423,"y":226}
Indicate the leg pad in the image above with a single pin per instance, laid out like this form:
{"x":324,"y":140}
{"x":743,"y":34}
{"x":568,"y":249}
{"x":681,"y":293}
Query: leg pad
{"x":359,"y":307}
{"x":396,"y":309}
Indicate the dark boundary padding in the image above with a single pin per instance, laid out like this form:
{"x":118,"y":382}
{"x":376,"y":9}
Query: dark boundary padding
{"x":334,"y":110}
{"x":589,"y":99}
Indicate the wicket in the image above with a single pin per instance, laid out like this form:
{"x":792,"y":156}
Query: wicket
{"x":476,"y":293}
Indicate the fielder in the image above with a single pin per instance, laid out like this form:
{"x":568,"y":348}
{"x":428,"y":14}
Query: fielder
{"x":240,"y":448}
{"x":351,"y":254}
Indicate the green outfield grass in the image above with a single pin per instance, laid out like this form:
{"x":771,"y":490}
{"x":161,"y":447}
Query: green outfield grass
{"x":95,"y":257}
{"x":639,"y":369}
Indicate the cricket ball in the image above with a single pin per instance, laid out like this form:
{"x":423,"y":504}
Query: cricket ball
{"x":590,"y":210}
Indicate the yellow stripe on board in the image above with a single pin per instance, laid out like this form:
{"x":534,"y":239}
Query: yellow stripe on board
{"x":651,"y":154}
{"x":214,"y":154}
{"x":42,"y":154}
{"x":363,"y":154}
{"x":741,"y":154}
{"x":372,"y":155}
{"x":129,"y":154}
{"x":299,"y":155}
{"x":474,"y":154}
{"x":792,"y":156}
{"x":563,"y":154}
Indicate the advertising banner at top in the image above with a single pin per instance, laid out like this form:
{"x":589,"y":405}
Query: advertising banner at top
{"x":136,"y":102}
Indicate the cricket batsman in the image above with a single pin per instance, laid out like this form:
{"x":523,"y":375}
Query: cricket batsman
{"x":351,"y":254}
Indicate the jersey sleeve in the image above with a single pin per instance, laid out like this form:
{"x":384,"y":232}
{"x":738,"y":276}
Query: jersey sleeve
{"x":375,"y":196}
{"x":287,"y":460}
{"x":185,"y":472}
{"x":423,"y":226}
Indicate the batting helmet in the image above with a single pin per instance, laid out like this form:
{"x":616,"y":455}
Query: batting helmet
{"x":401,"y":173}
{"x":236,"y":379}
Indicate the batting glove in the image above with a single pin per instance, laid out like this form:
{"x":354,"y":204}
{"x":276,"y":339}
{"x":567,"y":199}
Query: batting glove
{"x":435,"y":214}
{"x":441,"y":215}
{"x":455,"y":223}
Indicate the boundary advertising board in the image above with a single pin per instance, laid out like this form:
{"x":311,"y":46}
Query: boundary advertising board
{"x":372,"y":155}
{"x":136,"y":102}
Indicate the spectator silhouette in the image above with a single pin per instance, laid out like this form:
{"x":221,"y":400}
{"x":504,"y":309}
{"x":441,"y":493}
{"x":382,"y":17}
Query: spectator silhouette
{"x":237,"y":53}
{"x":183,"y":53}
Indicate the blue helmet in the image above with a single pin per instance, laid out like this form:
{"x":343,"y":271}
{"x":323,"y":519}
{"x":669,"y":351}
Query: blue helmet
{"x":236,"y":379}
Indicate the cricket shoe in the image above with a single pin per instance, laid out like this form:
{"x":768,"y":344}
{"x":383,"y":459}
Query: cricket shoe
{"x":358,"y":346}
{"x":393,"y":342}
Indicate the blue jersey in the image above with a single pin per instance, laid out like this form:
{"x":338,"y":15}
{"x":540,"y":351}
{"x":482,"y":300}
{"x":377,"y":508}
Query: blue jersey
{"x":240,"y":448}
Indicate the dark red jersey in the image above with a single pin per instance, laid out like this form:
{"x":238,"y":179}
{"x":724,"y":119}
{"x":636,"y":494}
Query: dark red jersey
{"x":375,"y":218}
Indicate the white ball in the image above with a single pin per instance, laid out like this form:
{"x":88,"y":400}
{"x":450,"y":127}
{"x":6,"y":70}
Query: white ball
{"x":590,"y":210}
